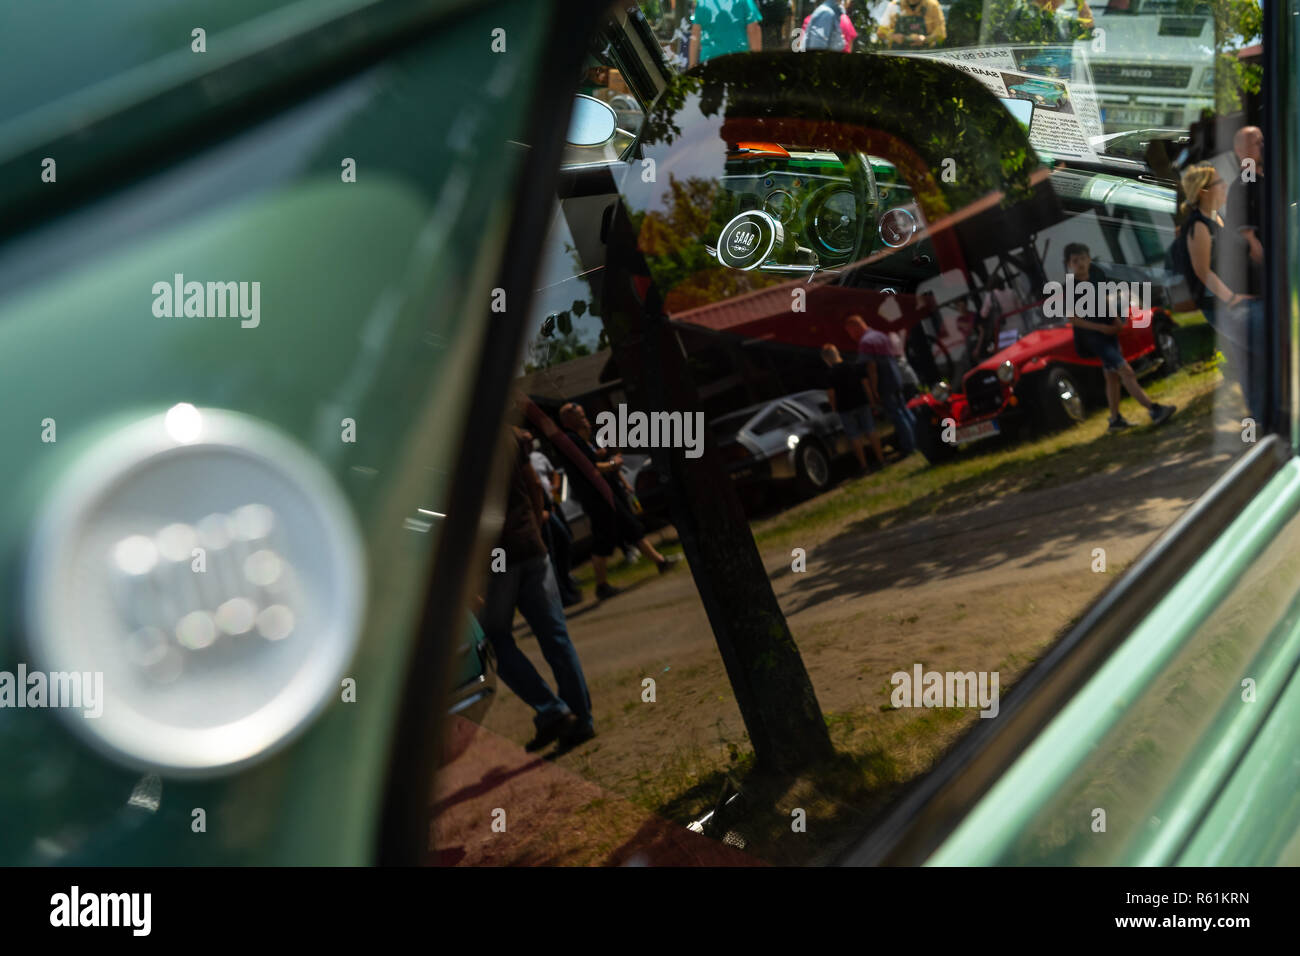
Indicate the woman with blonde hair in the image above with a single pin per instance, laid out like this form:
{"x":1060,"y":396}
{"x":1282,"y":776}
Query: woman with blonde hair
{"x":1194,"y":246}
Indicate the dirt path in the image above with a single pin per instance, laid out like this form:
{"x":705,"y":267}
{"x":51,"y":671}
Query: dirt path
{"x":985,"y":589}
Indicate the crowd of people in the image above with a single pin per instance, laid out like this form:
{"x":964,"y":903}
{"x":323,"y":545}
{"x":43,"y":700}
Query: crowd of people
{"x":705,"y":29}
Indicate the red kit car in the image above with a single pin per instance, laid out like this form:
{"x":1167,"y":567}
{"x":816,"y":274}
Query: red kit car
{"x":1040,"y":378}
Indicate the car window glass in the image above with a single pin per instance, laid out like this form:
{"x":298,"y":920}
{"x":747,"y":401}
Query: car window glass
{"x":776,"y":419}
{"x":992,"y":207}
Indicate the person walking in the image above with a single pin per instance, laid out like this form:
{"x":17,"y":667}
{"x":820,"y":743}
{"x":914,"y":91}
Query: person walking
{"x":611,"y":521}
{"x":719,"y":27}
{"x":555,"y":528}
{"x":528,"y":583}
{"x":825,"y":38}
{"x":851,"y":396}
{"x":823,"y":29}
{"x":886,"y":380}
{"x":1098,"y":336}
{"x":624,"y":497}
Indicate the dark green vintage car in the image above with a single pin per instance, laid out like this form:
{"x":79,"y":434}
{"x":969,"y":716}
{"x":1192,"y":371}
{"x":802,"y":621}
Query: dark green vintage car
{"x":237,"y":288}
{"x":267,"y":272}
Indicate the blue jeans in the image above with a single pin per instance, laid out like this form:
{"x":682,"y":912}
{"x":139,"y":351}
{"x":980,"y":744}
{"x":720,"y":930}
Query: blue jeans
{"x":904,"y":423}
{"x":1244,"y":339}
{"x":530,"y":585}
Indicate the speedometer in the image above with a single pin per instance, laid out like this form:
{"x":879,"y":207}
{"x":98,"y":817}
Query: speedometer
{"x":780,"y":204}
{"x":897,"y":227}
{"x":835,"y":222}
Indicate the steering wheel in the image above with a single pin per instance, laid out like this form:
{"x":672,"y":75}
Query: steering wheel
{"x":787,"y":222}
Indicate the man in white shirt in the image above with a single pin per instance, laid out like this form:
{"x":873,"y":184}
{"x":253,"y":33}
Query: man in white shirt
{"x":555,"y":530}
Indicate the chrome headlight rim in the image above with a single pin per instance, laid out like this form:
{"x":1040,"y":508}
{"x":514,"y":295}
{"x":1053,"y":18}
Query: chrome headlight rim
{"x":1006,"y":372}
{"x":52,"y":639}
{"x":942,"y":391}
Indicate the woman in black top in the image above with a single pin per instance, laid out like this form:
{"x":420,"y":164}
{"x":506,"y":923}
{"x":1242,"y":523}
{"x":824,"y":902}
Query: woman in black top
{"x":1205,"y":192}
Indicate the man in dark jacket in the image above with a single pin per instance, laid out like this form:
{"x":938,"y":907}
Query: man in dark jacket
{"x":527,"y":581}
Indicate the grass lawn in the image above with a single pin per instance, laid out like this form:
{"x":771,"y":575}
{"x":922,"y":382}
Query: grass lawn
{"x":878,"y":749}
{"x":914,"y":488}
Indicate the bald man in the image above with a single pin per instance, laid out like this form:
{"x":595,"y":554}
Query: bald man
{"x":1241,"y":263}
{"x":1242,"y":209}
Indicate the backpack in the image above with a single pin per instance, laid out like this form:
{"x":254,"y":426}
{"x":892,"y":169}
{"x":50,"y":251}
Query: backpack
{"x":824,"y":29}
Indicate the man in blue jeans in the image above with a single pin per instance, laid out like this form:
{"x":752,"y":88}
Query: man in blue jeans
{"x":528,"y":583}
{"x":886,"y":379}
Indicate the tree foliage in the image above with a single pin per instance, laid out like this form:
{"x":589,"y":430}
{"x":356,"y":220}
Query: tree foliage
{"x":556,"y":349}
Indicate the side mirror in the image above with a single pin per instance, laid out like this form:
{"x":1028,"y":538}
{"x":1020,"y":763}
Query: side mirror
{"x":592,"y":123}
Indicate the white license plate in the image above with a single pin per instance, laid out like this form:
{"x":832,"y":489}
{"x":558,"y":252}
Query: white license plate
{"x":1140,"y":117}
{"x":976,"y":432}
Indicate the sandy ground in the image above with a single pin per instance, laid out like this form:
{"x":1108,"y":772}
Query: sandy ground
{"x":986,"y":589}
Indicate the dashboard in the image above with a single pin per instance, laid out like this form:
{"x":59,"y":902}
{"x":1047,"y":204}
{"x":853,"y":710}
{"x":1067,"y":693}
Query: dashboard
{"x":824,"y":211}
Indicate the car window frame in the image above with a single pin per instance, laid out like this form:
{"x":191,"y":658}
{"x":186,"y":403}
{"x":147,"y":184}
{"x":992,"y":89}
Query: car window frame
{"x":402,"y":835}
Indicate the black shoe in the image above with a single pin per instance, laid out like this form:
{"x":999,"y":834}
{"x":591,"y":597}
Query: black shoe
{"x":604,"y":591}
{"x":571,"y":599}
{"x":1118,"y":424}
{"x":1161,"y":413}
{"x":579,"y":735}
{"x":668,"y":563}
{"x":552,"y":732}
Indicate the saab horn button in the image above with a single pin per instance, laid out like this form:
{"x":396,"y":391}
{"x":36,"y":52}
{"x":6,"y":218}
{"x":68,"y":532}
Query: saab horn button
{"x":748,"y":240}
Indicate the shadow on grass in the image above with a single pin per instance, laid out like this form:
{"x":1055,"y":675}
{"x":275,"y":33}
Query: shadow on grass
{"x":963,"y":527}
{"x":839,"y":797}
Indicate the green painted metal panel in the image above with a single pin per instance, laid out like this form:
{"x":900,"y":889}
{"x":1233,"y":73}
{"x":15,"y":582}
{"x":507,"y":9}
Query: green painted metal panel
{"x":1256,"y":818}
{"x":374,"y":296}
{"x":1022,"y":801}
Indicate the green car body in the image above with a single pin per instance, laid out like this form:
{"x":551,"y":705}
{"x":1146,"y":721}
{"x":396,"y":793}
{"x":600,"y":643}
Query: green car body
{"x":363,"y":287}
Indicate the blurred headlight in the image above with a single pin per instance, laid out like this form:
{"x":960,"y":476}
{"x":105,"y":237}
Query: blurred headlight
{"x":941,"y":392}
{"x":211,"y":570}
{"x":1006,"y":373}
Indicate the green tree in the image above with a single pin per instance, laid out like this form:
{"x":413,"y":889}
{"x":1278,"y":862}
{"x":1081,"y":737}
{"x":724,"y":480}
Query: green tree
{"x":544,"y":352}
{"x":1237,"y":24}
